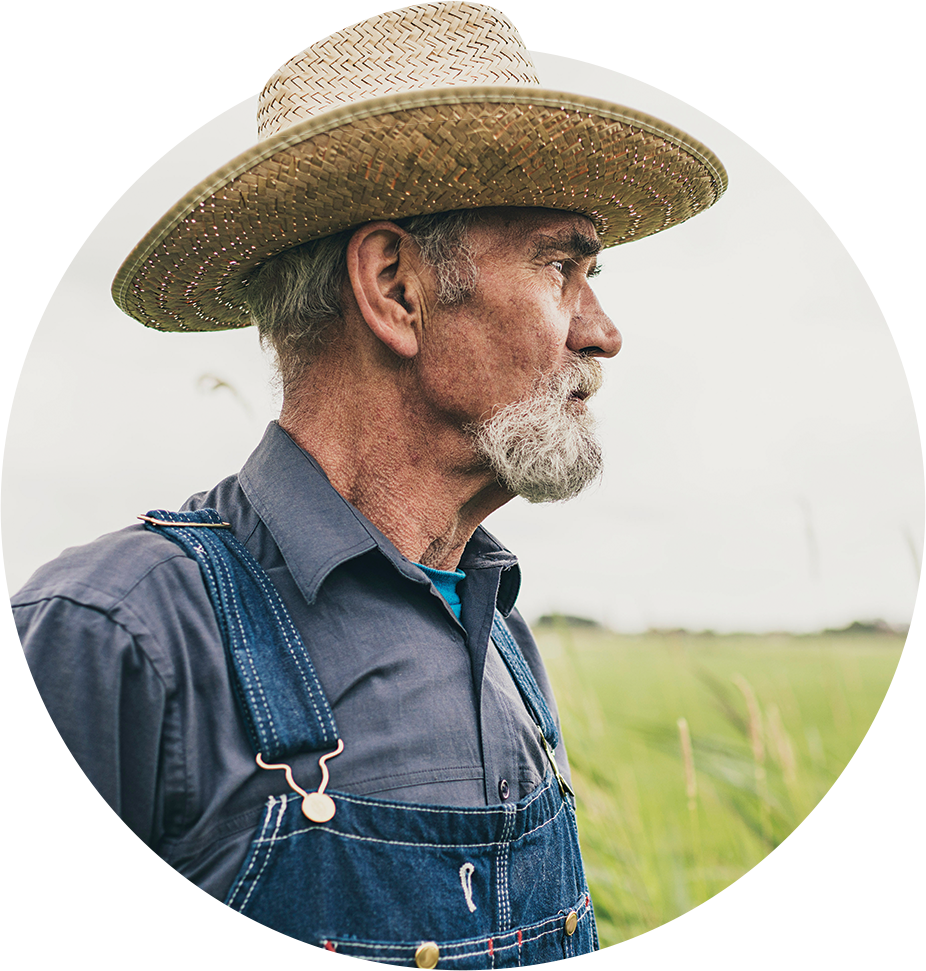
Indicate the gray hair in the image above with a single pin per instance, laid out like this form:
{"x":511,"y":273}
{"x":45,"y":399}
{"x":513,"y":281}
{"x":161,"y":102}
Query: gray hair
{"x":295,"y":297}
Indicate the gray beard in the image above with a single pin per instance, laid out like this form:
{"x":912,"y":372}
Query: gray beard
{"x":544,"y":448}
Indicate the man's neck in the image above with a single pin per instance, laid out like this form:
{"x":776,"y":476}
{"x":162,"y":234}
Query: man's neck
{"x":416,"y":479}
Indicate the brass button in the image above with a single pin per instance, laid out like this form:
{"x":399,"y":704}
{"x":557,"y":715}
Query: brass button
{"x":572,"y":921}
{"x":427,"y":955}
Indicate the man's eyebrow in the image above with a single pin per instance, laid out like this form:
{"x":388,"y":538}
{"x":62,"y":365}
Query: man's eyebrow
{"x":571,"y":243}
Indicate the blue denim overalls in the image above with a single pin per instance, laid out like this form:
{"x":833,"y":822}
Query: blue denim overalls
{"x":400,"y":883}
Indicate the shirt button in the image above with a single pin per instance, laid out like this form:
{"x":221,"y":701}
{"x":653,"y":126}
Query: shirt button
{"x":503,"y":790}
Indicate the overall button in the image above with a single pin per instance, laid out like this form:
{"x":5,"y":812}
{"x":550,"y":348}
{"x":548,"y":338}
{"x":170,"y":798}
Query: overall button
{"x":503,"y":789}
{"x":427,"y":955}
{"x":572,"y":921}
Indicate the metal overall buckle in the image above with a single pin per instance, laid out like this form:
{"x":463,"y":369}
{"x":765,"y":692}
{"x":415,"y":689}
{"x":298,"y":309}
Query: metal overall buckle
{"x":168,"y":522}
{"x":317,"y":806}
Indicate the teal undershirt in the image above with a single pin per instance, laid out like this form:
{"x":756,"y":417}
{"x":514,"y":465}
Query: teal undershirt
{"x":446,"y":583}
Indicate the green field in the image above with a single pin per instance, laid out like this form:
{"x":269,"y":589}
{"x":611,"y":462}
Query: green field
{"x":694,"y":755}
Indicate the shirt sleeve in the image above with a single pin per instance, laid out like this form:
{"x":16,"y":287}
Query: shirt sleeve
{"x":105,"y":698}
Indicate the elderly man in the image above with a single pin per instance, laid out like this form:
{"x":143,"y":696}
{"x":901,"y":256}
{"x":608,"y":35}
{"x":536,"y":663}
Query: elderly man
{"x":414,"y":237}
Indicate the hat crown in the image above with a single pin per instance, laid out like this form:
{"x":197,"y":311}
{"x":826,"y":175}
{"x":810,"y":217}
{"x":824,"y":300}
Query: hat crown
{"x":416,"y":48}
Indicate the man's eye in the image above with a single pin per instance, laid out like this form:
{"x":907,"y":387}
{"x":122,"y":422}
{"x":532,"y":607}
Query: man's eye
{"x":558,"y":265}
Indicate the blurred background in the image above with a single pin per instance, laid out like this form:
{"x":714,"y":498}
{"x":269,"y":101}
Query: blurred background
{"x":763,"y":469}
{"x":722,"y":615}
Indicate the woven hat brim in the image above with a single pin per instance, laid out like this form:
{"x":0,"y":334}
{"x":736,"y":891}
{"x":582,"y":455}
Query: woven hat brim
{"x":409,"y":154}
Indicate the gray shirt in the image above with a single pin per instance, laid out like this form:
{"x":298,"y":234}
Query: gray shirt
{"x":124,"y":646}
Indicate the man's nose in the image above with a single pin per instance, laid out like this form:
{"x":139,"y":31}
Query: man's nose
{"x":592,"y":331}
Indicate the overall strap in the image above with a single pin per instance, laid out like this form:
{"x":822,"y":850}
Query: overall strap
{"x":524,"y":679}
{"x":279,"y":694}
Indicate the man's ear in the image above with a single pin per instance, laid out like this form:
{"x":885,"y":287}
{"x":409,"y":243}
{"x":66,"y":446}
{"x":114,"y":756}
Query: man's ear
{"x":385,"y":277}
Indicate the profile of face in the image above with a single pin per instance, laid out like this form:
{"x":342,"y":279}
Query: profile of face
{"x":521,"y":351}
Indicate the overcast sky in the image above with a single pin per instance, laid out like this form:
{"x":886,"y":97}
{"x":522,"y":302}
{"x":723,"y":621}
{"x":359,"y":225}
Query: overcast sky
{"x":763,"y":469}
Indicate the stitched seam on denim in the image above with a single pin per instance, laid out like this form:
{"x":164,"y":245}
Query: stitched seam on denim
{"x":283,"y":803}
{"x":531,"y":687}
{"x":507,"y":883}
{"x":263,"y":712}
{"x":217,"y":564}
{"x":462,"y":810}
{"x":448,"y":947}
{"x":524,"y":679}
{"x":506,"y":856}
{"x":504,"y":901}
{"x":188,"y":786}
{"x":373,"y":839}
{"x":268,"y":815}
{"x":499,"y":900}
{"x":190,"y":541}
{"x":451,"y":949}
{"x":508,"y":874}
{"x":292,"y":640}
{"x":224,"y":576}
{"x":446,"y":953}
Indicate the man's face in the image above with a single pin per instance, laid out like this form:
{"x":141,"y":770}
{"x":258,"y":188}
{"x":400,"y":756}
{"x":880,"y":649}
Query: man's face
{"x":515,"y":362}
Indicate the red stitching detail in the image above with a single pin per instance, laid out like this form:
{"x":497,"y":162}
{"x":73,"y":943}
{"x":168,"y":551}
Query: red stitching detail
{"x":520,"y":935}
{"x":332,"y":956}
{"x":491,"y":948}
{"x":588,"y":901}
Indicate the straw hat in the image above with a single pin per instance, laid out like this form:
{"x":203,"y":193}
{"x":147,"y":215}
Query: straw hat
{"x":425,"y":109}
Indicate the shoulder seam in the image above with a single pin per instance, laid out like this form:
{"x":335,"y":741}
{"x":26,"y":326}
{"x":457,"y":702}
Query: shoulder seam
{"x":26,"y":597}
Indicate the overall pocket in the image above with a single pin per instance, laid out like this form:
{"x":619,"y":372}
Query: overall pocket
{"x":562,"y":935}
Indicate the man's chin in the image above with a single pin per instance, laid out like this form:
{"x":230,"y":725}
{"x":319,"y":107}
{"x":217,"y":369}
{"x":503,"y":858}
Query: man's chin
{"x":555,"y":491}
{"x":552,"y":476}
{"x":543,"y":449}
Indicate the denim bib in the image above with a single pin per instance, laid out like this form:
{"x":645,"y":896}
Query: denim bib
{"x":399,"y":883}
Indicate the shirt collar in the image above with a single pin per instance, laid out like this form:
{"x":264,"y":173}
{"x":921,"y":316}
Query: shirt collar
{"x":317,"y":529}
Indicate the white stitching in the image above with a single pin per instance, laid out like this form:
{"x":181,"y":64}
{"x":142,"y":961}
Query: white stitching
{"x":283,"y":802}
{"x":373,"y":839}
{"x":447,"y":949}
{"x":501,"y":877}
{"x":466,"y":881}
{"x":291,"y":638}
{"x":462,"y":810}
{"x":271,"y":801}
{"x":507,"y":875}
{"x":227,"y":581}
{"x":221,"y":576}
{"x":499,"y":894}
{"x":261,"y":714}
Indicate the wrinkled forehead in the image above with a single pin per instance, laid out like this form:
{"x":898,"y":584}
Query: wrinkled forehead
{"x":532,"y":233}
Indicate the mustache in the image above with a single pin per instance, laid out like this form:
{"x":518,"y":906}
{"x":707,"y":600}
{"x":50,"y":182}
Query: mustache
{"x":581,"y":377}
